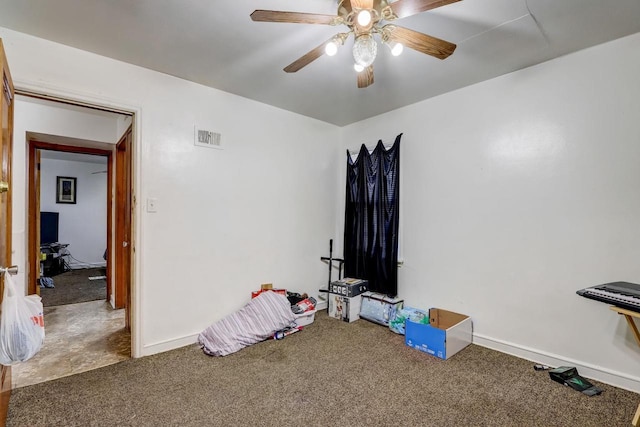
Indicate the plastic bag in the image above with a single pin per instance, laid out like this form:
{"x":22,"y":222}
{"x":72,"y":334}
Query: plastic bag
{"x":399,"y":317}
{"x":21,"y":325}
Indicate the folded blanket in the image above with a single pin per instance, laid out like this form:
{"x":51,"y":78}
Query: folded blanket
{"x":258,"y":320}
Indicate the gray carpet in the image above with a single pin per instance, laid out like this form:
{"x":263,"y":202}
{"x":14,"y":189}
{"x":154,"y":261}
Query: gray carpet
{"x":74,"y":286}
{"x":330,"y":374}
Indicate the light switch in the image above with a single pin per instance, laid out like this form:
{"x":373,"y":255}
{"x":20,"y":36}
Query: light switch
{"x":152,"y":204}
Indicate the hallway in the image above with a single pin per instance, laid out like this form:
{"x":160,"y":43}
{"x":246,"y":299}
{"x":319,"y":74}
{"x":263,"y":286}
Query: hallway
{"x":78,"y":338}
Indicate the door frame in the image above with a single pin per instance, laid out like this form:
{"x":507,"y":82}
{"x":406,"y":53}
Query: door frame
{"x":33,"y":191}
{"x":44,"y":91}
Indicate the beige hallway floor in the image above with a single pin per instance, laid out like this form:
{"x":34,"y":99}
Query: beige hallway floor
{"x":78,"y":338}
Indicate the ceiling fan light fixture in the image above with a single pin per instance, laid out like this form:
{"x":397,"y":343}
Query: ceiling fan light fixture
{"x":365,"y":50}
{"x":364,"y":18}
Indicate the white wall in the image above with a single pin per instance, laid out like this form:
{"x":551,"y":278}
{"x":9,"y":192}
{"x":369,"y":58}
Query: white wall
{"x":516,"y":193}
{"x":261,"y":210}
{"x":82,"y":225}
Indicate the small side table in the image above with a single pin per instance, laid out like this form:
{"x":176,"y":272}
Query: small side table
{"x":629,"y":315}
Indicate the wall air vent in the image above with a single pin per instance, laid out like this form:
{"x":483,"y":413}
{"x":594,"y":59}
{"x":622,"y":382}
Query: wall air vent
{"x":207,"y":138}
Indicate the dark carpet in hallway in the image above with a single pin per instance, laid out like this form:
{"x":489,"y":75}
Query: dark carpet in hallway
{"x":74,"y":286}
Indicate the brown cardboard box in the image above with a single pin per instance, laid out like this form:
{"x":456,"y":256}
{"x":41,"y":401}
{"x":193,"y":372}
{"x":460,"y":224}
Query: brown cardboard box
{"x":278,"y":291}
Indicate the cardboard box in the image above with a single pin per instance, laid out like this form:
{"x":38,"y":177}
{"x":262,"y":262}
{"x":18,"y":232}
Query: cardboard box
{"x":348,"y":287}
{"x":344,"y":308}
{"x":446,"y":334}
{"x":278,"y":291}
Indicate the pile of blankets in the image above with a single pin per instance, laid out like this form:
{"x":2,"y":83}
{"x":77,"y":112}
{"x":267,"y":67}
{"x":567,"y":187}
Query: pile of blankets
{"x":258,"y":320}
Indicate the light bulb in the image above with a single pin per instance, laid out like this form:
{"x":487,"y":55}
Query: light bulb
{"x":331,"y":48}
{"x":396,"y":49}
{"x":365,"y":50}
{"x":364,"y":18}
{"x":358,"y":67}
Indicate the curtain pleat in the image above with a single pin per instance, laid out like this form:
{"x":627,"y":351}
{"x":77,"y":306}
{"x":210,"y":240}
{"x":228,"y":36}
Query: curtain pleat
{"x":371,"y":217}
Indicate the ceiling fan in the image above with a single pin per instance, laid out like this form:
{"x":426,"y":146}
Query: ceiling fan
{"x":364,"y":19}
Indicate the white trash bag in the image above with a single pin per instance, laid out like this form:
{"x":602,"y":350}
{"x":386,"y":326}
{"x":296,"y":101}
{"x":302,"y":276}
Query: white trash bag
{"x":21,"y":325}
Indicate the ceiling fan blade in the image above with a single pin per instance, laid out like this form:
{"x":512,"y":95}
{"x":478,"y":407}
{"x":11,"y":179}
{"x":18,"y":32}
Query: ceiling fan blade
{"x":421,"y":42}
{"x":292,"y":17}
{"x":365,"y":77}
{"x":362,"y":4}
{"x":404,"y":8}
{"x":307,"y":58}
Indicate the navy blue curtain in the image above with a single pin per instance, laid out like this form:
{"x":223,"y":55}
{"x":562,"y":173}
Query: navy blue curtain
{"x":371,"y":217}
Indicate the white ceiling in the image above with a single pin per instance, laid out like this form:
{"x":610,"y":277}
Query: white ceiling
{"x":215,"y":43}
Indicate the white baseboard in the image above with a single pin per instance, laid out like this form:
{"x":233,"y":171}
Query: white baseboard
{"x":607,"y":376}
{"x":82,"y":266}
{"x":321,"y":304}
{"x":167,"y":345}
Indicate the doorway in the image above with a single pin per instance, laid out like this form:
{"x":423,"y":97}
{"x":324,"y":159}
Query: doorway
{"x":81,"y":335}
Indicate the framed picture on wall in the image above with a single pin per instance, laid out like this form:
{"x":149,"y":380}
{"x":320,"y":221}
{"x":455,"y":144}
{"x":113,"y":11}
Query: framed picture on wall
{"x":66,"y":189}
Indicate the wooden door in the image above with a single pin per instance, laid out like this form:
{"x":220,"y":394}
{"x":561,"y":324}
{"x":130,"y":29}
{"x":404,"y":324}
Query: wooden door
{"x":6,"y":141}
{"x":123,"y":246}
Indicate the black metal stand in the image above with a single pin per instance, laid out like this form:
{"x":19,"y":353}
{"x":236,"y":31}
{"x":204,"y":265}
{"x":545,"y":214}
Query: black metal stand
{"x":54,"y":262}
{"x":330,"y":261}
